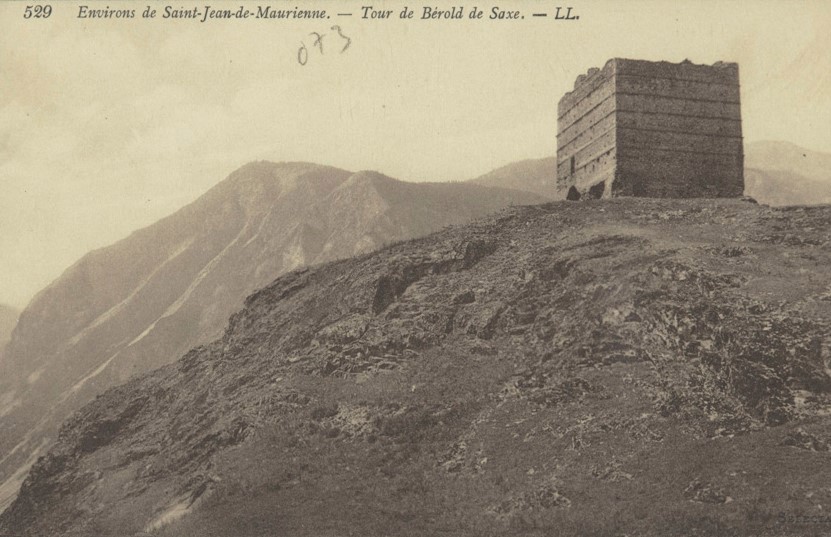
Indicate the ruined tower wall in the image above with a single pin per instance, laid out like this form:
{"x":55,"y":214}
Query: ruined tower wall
{"x":679,"y":130}
{"x":657,"y":129}
{"x":586,"y":133}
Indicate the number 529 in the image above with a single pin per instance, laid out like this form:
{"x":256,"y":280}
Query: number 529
{"x":38,"y":12}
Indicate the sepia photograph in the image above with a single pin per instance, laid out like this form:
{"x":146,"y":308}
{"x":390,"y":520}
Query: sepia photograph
{"x":323,"y":268}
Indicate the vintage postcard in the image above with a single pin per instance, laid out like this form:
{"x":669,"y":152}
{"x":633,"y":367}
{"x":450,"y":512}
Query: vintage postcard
{"x":388,"y":268}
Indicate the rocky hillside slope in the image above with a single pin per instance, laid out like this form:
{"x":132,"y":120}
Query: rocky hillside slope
{"x":8,"y":318}
{"x":615,"y":367}
{"x":142,"y":302}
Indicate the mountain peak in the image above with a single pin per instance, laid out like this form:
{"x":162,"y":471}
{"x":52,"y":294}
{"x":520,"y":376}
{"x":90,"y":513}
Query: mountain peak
{"x":370,"y":176}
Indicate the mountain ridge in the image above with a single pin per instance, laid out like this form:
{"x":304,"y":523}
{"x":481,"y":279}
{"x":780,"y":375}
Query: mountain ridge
{"x":783,"y":173}
{"x":532,"y":175}
{"x":8,"y":320}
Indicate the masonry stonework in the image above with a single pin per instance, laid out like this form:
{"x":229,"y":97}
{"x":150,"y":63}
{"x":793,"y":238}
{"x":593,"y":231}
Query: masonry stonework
{"x":652,"y":129}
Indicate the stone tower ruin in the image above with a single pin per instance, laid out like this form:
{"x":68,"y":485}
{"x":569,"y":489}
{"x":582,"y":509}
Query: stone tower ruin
{"x":652,"y":129}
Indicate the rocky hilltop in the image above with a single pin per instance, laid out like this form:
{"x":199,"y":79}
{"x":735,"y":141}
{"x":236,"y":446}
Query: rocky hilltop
{"x":142,"y":302}
{"x":627,"y":366}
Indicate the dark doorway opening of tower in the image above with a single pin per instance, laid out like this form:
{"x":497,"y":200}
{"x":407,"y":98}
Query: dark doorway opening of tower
{"x":573,"y":194}
{"x":596,"y":192}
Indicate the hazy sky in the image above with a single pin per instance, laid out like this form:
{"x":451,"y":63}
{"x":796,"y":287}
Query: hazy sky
{"x":107,"y":125}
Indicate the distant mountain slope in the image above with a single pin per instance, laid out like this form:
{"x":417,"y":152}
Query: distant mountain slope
{"x":616,"y":367}
{"x":8,"y":318}
{"x":533,"y":175}
{"x":142,"y":302}
{"x":781,"y":173}
{"x":774,"y":155}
